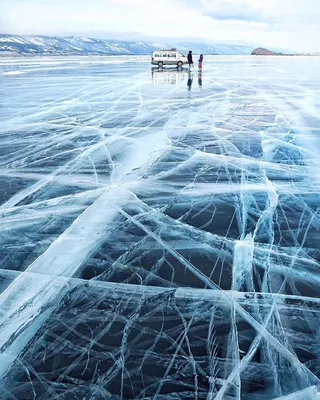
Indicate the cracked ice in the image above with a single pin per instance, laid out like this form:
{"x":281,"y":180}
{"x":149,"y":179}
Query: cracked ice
{"x":159,"y":231}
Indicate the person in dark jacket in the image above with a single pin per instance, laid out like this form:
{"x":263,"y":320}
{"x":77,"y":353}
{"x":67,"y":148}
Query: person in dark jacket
{"x":190,"y":60}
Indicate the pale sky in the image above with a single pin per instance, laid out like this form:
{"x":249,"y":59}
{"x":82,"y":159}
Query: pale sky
{"x":292,"y":24}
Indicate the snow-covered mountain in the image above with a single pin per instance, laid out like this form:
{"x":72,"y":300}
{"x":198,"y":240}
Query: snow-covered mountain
{"x":72,"y":45}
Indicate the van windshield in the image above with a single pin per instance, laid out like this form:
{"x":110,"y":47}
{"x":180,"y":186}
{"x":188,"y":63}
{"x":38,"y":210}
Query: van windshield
{"x":181,"y":55}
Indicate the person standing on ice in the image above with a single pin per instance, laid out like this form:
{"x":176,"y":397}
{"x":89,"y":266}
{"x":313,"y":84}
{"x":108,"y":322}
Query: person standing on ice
{"x":200,"y":61}
{"x":190,"y":60}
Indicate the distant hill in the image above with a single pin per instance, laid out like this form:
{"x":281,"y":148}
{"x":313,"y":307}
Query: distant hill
{"x":260,"y":51}
{"x":15,"y":45}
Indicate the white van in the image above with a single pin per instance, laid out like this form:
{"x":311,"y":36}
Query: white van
{"x":168,"y":57}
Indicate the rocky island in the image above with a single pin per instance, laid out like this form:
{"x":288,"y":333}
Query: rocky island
{"x":260,"y":51}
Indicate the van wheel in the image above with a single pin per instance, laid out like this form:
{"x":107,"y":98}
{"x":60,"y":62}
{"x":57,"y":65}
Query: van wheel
{"x":160,"y":64}
{"x":179,"y":64}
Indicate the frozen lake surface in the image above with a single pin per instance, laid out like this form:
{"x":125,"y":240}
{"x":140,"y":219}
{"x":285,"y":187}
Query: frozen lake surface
{"x":159,"y":231}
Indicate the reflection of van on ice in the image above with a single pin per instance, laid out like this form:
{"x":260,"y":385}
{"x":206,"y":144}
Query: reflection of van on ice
{"x":168,"y":76}
{"x":168,"y":57}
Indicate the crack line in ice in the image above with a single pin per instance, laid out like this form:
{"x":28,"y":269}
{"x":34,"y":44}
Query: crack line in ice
{"x":272,"y":254}
{"x":255,"y":324}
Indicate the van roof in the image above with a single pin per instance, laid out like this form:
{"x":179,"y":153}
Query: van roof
{"x":166,"y":50}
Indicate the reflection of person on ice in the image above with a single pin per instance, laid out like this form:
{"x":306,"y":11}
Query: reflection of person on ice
{"x":200,"y":61}
{"x":200,"y":78}
{"x":189,"y":83}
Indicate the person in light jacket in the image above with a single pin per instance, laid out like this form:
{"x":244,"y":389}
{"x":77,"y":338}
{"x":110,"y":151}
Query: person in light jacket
{"x":200,"y":61}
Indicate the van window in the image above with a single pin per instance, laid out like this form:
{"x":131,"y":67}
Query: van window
{"x":172,"y":55}
{"x":181,"y":55}
{"x":164,"y":55}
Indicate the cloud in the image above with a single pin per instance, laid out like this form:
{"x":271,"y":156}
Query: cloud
{"x":289,"y":24}
{"x":283,"y":12}
{"x":236,"y":11}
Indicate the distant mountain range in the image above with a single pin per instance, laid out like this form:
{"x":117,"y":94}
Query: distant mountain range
{"x":15,"y":45}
